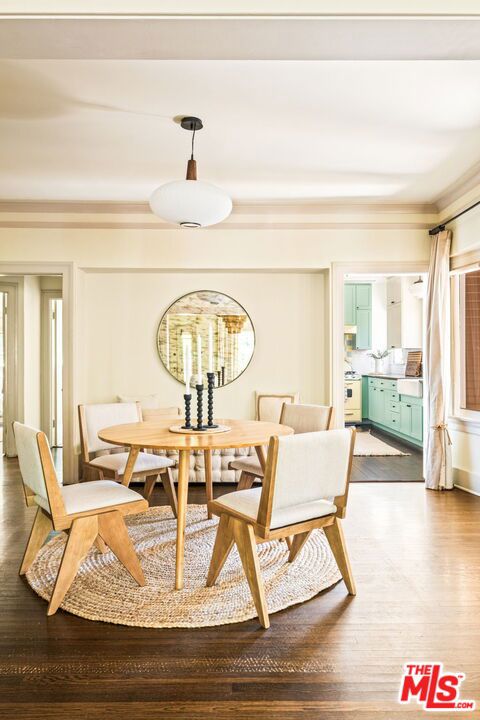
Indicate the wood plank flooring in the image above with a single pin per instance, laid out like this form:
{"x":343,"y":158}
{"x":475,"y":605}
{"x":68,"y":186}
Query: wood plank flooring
{"x":416,"y":559}
{"x":408,"y":468}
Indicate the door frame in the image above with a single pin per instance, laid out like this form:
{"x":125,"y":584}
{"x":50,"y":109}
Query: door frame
{"x":68,"y":272}
{"x":338,"y":272}
{"x":12,"y":395}
{"x":46,"y":359}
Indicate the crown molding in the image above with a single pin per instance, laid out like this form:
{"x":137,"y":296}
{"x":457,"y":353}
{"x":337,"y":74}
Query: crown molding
{"x":465,"y":183}
{"x":245,"y":215}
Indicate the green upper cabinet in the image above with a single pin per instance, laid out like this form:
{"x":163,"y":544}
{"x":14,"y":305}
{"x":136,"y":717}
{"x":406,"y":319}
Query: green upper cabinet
{"x":350,"y":305}
{"x":364,"y":329}
{"x":363,"y":297}
{"x":358,"y":311}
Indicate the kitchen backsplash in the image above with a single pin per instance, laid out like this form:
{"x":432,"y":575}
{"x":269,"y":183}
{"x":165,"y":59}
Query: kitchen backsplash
{"x":363,"y":364}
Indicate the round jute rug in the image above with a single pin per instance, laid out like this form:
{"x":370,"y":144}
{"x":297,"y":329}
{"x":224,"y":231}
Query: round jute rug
{"x":103,"y":589}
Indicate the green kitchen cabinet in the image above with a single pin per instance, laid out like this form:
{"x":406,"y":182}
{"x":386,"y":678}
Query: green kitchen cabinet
{"x":349,"y":305}
{"x":363,"y":296}
{"x":417,"y":422}
{"x":358,"y":312}
{"x":364,"y":329}
{"x":405,"y":418}
{"x":376,"y":403}
{"x":400,"y":415}
{"x":365,"y":397}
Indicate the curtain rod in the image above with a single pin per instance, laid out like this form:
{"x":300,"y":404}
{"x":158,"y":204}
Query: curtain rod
{"x":440,"y":227}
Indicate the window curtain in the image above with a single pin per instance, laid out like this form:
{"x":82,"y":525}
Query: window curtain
{"x":438,"y":456}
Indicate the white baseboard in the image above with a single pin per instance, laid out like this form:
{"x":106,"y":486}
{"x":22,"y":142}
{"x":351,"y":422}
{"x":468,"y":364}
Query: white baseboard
{"x":472,"y":492}
{"x":466,"y":481}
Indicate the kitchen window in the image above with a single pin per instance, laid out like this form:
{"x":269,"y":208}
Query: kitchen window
{"x":466,"y":328}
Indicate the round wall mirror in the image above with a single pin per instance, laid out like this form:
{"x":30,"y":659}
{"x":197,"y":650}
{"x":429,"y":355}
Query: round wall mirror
{"x":206,"y":331}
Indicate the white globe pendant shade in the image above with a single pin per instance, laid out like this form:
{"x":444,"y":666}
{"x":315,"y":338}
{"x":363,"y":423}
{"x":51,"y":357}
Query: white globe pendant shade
{"x":191,"y":203}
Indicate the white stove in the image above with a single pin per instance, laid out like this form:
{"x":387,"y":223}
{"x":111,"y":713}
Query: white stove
{"x":353,"y":397}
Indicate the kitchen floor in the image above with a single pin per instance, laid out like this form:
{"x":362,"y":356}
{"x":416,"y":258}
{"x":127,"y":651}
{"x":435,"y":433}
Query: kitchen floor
{"x":387,"y":468}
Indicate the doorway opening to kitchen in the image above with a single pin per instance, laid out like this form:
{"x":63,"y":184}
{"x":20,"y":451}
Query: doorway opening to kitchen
{"x":383,"y":342}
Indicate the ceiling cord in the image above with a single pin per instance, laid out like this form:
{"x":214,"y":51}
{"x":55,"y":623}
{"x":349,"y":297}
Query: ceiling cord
{"x":193,"y":140}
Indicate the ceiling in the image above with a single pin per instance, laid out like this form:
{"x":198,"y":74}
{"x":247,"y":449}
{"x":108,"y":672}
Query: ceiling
{"x":276,"y":130}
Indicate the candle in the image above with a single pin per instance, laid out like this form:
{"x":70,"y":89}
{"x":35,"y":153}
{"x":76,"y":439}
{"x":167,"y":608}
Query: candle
{"x":189,"y":372}
{"x":199,"y":358}
{"x":187,"y":361}
{"x":210,"y":348}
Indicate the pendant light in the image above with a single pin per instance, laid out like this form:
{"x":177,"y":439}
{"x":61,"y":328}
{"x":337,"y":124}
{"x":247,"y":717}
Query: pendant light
{"x":191,"y":203}
{"x":418,"y":288}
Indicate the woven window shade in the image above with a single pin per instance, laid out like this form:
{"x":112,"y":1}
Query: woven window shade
{"x":472,"y":340}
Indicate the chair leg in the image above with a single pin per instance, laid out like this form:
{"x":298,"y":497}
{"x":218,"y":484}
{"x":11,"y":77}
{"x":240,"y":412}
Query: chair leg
{"x":169,"y":487}
{"x":149,"y":487}
{"x":297,"y":543}
{"x":221,"y":549}
{"x":100,"y":545}
{"x":246,"y":481}
{"x":337,"y":543}
{"x":80,"y":539}
{"x":247,"y":548}
{"x":112,"y":528}
{"x":42,"y":526}
{"x":207,"y":456}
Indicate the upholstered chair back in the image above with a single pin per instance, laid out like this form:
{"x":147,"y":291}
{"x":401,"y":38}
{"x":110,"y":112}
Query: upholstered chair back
{"x":152,"y":414}
{"x":29,"y":460}
{"x":96,"y":417}
{"x":306,"y":418}
{"x":311,"y":466}
{"x":269,"y":407}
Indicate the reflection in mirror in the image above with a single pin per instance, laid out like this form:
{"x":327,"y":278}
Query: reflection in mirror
{"x":206,"y":331}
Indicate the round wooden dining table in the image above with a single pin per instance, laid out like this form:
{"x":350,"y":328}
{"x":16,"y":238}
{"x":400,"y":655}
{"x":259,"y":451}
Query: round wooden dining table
{"x":156,"y":435}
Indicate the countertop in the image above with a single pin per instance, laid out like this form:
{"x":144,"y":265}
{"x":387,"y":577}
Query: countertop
{"x":391,"y":377}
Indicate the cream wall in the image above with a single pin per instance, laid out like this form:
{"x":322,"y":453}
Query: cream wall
{"x":100,"y":257}
{"x":212,"y":249}
{"x":121,"y":315}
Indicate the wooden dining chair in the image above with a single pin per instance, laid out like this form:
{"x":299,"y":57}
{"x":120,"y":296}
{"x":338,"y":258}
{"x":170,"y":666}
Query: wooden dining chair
{"x":90,"y":512}
{"x":113,"y":460}
{"x":268,"y":406}
{"x":302,"y":418}
{"x":305,"y":488}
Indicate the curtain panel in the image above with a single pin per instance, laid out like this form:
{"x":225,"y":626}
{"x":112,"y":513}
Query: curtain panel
{"x":438,"y":457}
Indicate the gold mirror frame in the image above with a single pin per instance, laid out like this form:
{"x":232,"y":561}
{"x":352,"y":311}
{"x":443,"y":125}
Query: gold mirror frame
{"x":227,"y":337}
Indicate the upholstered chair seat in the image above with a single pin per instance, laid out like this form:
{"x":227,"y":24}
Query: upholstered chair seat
{"x":246,"y":502}
{"x":145,"y":463}
{"x":250,"y":464}
{"x":89,"y":495}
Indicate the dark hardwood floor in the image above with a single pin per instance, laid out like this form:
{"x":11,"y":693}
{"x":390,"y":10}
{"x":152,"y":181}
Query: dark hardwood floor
{"x":389,"y":468}
{"x":416,"y":559}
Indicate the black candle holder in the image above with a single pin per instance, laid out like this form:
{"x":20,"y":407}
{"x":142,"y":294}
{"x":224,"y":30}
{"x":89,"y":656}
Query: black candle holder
{"x":200,"y":425}
{"x":188,"y":402}
{"x":211,"y":385}
{"x":219,"y":377}
{"x":223,"y":374}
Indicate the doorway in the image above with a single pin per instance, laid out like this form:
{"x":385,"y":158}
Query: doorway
{"x":8,"y":365}
{"x":382,"y":314}
{"x":3,"y":324}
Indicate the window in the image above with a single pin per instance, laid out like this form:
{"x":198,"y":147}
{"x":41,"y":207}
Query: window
{"x":470,"y":338}
{"x":466,"y":346}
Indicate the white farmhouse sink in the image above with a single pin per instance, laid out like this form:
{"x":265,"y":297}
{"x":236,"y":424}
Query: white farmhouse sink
{"x":410,"y":386}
